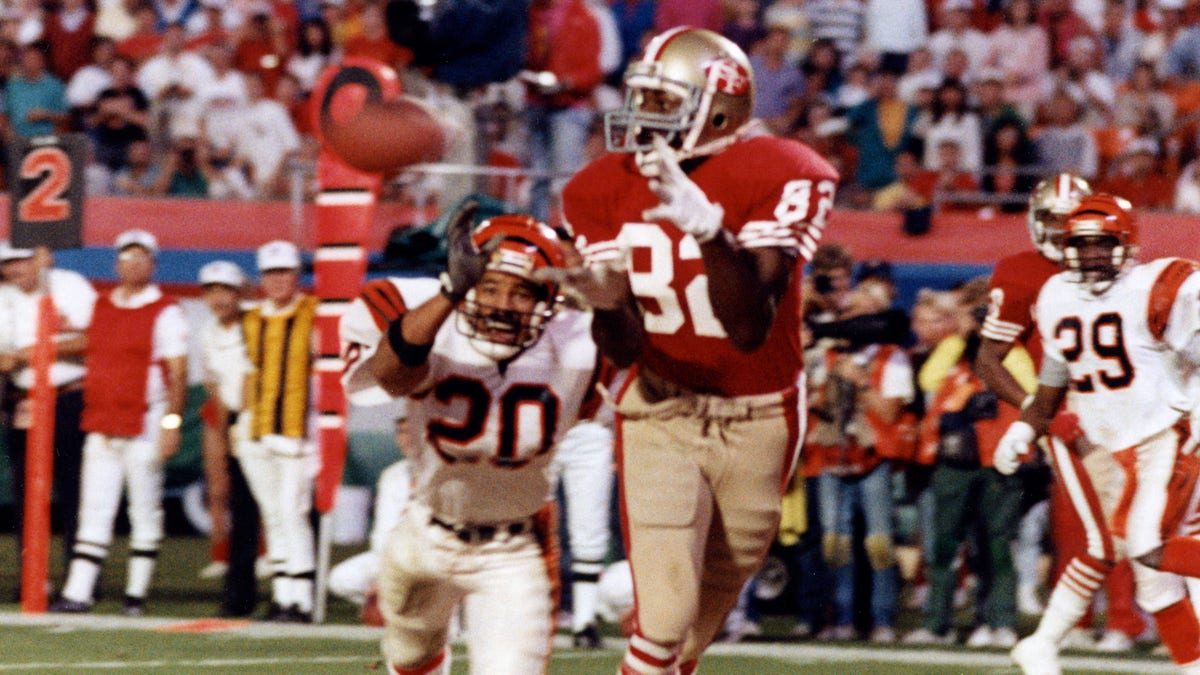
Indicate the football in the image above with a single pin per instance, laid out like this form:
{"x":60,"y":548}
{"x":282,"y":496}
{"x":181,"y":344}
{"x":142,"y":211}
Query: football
{"x":385,"y":136}
{"x":362,"y":118}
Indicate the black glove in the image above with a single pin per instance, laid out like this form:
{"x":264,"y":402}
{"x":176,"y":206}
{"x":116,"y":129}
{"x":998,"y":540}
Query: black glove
{"x":464,"y":262}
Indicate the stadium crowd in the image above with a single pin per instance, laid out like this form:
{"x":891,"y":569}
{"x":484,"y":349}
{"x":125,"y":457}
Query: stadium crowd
{"x":919,"y":104}
{"x":959,"y":102}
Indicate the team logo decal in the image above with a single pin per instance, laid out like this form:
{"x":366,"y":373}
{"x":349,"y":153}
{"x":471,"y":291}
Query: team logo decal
{"x":728,"y":76}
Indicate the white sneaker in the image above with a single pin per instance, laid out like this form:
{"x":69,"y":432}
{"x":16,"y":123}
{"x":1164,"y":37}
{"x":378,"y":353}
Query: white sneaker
{"x":1078,"y":638}
{"x":924,"y":636}
{"x":802,"y":630}
{"x":1028,"y":601}
{"x":1036,"y":655}
{"x":1004,"y":638}
{"x":981,"y":637}
{"x":214,"y":569}
{"x":883,"y":635}
{"x":1114,"y":641}
{"x":262,"y":568}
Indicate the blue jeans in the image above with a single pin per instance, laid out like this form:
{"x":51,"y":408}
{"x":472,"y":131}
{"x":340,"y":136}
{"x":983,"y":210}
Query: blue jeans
{"x":557,"y":139}
{"x":840,"y":498}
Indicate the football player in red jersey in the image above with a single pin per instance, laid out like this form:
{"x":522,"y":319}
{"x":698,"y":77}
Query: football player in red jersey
{"x":694,"y":230}
{"x":1081,"y":534}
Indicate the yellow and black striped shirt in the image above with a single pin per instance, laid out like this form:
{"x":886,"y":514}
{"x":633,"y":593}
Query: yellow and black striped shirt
{"x":280,"y":349}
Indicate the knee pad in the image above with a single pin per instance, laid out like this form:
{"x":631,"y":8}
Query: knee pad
{"x":836,"y":549}
{"x":1155,"y":590}
{"x":880,"y":551}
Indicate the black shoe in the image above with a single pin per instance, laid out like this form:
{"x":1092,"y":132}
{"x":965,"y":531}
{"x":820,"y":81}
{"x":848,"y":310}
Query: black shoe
{"x":294,"y":615}
{"x":588,"y":638}
{"x":65,"y":606}
{"x":227,"y":612}
{"x":274,"y":613}
{"x":133,"y":606}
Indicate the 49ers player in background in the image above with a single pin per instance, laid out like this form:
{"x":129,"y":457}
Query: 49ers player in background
{"x":1084,"y":544}
{"x":1121,"y":346}
{"x":694,"y":231}
{"x":496,"y":372}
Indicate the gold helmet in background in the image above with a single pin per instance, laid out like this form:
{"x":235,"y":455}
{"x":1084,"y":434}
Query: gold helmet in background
{"x":691,"y":86}
{"x":1052,"y":200}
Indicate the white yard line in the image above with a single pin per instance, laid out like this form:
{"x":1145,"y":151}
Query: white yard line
{"x":791,"y":652}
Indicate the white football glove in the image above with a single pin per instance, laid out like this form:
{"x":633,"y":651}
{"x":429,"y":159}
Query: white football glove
{"x":683,"y":202}
{"x":602,"y":280}
{"x":1014,"y":443}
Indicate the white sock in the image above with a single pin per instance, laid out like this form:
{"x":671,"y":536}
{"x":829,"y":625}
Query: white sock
{"x":141,"y":569}
{"x":81,"y":580}
{"x":583,"y":604}
{"x":281,"y":589}
{"x":1070,"y":599}
{"x":302,"y":593}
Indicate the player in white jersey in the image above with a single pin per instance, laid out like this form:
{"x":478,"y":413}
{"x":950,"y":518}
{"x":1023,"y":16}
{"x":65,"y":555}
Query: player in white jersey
{"x":1122,"y":342}
{"x":496,"y":373}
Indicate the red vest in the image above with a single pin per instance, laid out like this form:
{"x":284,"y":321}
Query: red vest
{"x":119,"y":355}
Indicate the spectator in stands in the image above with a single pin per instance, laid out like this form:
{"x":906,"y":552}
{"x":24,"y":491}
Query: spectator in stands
{"x":1064,"y":143}
{"x":315,"y":50}
{"x":1143,"y":106}
{"x":289,"y":95}
{"x":745,"y":27}
{"x":912,"y":189}
{"x":1187,"y":189}
{"x":635,"y":21}
{"x":895,"y":29}
{"x":992,"y":104}
{"x":26,"y":25}
{"x":960,"y":430}
{"x":223,"y":102}
{"x":919,"y":74}
{"x":214,"y":26}
{"x":145,"y":40}
{"x":822,"y":70}
{"x":188,"y":14}
{"x":697,"y":13}
{"x":171,"y":80}
{"x":951,"y":119}
{"x":28,"y":277}
{"x":114,"y":19}
{"x":856,"y":88}
{"x":186,"y":170}
{"x":954,"y":185}
{"x":880,"y":128}
{"x":133,"y":399}
{"x":120,"y":118}
{"x":840,"y":21}
{"x":86,"y":84}
{"x":1182,"y":60}
{"x":1020,"y":50}
{"x":858,"y":392}
{"x":793,"y":15}
{"x":69,"y":33}
{"x":1062,"y":25}
{"x":263,"y":47}
{"x":1009,"y":164}
{"x":1081,"y":77}
{"x":1120,"y":41}
{"x":1141,"y":173}
{"x":779,"y":84}
{"x":140,"y":175}
{"x":956,"y":32}
{"x":373,"y":41}
{"x":559,"y":104}
{"x":266,"y":140}
{"x":34,"y":100}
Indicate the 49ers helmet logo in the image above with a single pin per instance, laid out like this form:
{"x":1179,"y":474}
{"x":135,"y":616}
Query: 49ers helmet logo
{"x":728,"y":76}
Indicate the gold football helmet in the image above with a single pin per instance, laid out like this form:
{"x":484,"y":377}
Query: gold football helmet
{"x":1051,"y":201}
{"x":692,"y":86}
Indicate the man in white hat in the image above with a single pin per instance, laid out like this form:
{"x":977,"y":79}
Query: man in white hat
{"x":133,"y":397}
{"x":274,"y":446}
{"x":28,"y":278}
{"x":233,"y":511}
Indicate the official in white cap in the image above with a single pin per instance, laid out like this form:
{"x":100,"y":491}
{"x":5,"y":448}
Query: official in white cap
{"x":29,"y":276}
{"x":275,"y":450}
{"x":133,"y":398}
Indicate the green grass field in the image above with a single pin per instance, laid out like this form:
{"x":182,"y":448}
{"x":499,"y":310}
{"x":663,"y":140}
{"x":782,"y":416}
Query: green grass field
{"x":178,"y":635}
